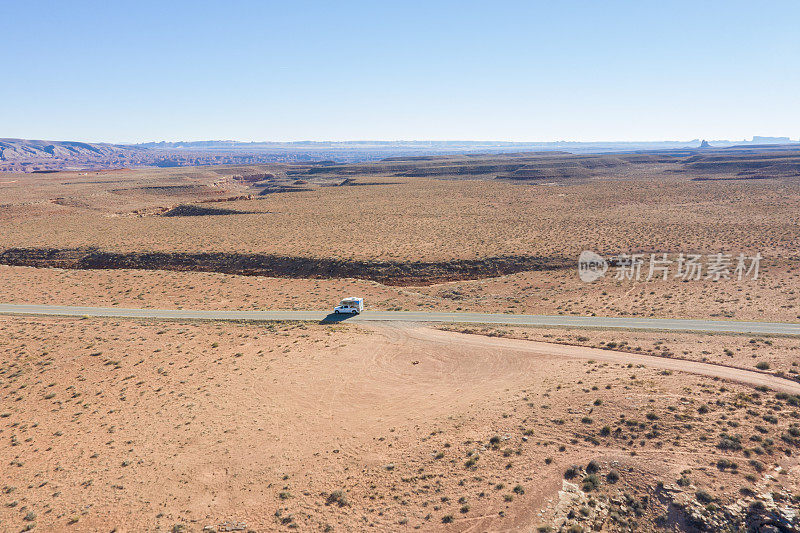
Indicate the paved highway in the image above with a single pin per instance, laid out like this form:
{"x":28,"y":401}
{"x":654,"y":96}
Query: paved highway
{"x":716,"y":326}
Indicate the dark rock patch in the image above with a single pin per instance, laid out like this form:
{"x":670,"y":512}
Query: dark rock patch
{"x":387,"y":272}
{"x":188,"y":210}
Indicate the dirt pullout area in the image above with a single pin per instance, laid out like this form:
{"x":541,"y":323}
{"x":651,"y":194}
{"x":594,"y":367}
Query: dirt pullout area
{"x":775,"y":355}
{"x":145,"y":426}
{"x":716,"y":370}
{"x":387,"y":272}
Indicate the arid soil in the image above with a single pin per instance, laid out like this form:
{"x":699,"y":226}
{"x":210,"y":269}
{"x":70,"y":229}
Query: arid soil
{"x":410,"y":219}
{"x":773,"y":297}
{"x":180,"y":426}
{"x":170,"y":426}
{"x":772,"y":355}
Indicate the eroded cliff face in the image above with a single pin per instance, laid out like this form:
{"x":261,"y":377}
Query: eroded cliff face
{"x":386,"y":272}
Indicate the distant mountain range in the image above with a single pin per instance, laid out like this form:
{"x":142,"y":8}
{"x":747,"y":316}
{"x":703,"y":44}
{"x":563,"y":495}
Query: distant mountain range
{"x":22,"y":155}
{"x":28,"y":155}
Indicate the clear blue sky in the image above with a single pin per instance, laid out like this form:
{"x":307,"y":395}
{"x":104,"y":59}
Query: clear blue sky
{"x":292,"y":70}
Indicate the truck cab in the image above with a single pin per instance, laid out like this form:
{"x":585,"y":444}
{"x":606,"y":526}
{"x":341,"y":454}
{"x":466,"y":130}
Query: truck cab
{"x":350,"y":305}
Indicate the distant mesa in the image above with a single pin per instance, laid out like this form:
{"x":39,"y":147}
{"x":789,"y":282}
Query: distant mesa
{"x":705,"y":144}
{"x":760,"y":139}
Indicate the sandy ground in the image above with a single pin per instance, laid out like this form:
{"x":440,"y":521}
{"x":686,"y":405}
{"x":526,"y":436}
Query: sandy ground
{"x":779,"y":355}
{"x":715,"y":370}
{"x":174,"y":426}
{"x":139,"y":425}
{"x":773,"y":297}
{"x":410,"y":219}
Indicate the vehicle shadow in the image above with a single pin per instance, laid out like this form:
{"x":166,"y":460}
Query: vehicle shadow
{"x":333,"y":318}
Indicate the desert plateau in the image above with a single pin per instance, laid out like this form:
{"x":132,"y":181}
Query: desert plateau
{"x":448,"y":267}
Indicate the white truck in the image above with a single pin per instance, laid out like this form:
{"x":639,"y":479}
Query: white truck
{"x":350,"y":305}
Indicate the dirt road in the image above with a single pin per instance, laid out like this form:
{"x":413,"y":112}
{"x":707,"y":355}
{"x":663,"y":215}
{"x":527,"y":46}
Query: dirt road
{"x":533,"y":348}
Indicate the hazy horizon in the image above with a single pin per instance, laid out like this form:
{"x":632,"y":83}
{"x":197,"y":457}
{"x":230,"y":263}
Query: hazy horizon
{"x":504,"y":141}
{"x":752,"y":139}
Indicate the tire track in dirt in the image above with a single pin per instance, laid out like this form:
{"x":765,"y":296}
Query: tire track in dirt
{"x":748,"y":377}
